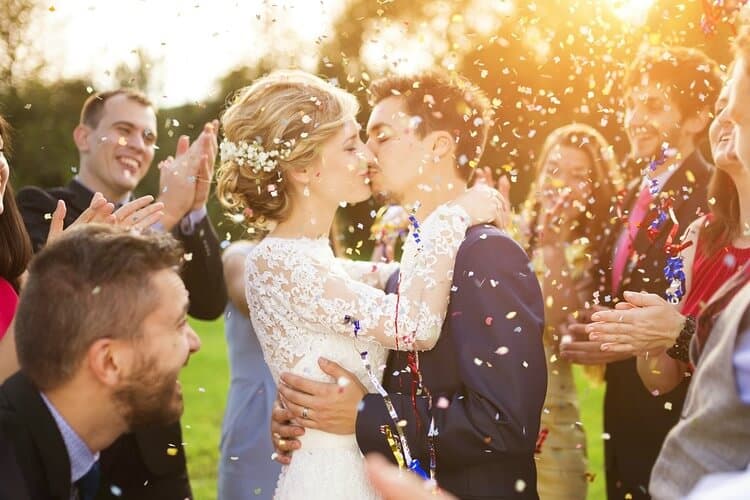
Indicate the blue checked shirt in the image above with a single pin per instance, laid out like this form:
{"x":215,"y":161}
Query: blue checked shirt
{"x":81,"y":457}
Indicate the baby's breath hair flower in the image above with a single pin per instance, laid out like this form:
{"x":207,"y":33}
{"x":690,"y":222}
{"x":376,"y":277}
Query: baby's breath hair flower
{"x":254,"y":155}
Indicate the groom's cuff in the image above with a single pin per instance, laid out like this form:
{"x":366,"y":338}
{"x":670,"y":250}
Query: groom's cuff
{"x":371,"y":419}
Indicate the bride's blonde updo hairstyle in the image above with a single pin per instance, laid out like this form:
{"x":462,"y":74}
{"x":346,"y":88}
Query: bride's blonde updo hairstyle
{"x":285,"y":118}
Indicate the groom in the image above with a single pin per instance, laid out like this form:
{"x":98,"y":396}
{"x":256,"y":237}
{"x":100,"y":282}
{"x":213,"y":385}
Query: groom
{"x":486,"y":375}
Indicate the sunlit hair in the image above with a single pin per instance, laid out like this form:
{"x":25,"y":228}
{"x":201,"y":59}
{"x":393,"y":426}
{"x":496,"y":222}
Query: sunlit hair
{"x":724,"y":201}
{"x":742,"y":46}
{"x":443,"y":102}
{"x":93,"y":107}
{"x":604,"y":177}
{"x":285,"y":107}
{"x":15,"y":245}
{"x":691,"y":78}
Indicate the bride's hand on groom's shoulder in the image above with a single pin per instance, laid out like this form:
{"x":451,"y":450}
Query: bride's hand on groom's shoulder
{"x":327,"y":406}
{"x":484,"y":204}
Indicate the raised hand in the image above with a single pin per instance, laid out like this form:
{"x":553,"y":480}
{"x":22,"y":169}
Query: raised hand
{"x":138,"y":214}
{"x":206,"y":172}
{"x":99,"y":210}
{"x":575,"y":345}
{"x":184,"y":181}
{"x":644,"y":322}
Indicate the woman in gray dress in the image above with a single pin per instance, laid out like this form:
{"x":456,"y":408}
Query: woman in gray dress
{"x":246,"y":469}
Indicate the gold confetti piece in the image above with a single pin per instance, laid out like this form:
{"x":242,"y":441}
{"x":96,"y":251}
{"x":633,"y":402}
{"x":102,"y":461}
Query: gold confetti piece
{"x":511,"y":315}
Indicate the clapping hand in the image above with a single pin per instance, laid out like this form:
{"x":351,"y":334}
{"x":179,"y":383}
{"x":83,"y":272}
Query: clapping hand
{"x":575,"y":345}
{"x":643,"y":322}
{"x":185,"y":179}
{"x":137,"y":214}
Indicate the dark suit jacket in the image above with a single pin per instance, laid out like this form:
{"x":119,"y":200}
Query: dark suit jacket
{"x":34,"y":463}
{"x":637,"y":422}
{"x":138,"y":462}
{"x":487,"y":402}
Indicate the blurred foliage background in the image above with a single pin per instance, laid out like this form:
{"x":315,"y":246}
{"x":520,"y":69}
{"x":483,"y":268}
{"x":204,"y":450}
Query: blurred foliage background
{"x":544,"y":64}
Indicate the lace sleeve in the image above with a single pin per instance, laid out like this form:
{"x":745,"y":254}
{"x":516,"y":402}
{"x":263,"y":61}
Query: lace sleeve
{"x":321,"y":294}
{"x":375,"y":274}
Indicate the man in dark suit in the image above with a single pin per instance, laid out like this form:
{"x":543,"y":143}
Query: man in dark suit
{"x":93,"y":366}
{"x":116,"y":140}
{"x":669,"y":94}
{"x":484,"y":383}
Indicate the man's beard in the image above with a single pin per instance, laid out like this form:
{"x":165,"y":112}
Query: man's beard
{"x":147,"y":397}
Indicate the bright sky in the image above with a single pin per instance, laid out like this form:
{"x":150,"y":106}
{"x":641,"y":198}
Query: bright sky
{"x":193,"y":41}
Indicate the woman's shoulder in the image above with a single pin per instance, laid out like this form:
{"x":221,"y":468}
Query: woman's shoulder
{"x":289,"y":252}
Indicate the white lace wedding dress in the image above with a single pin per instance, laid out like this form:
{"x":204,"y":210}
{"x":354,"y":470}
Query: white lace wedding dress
{"x":300,"y":297}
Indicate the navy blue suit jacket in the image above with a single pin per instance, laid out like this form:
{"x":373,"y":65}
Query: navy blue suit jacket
{"x":487,"y":376}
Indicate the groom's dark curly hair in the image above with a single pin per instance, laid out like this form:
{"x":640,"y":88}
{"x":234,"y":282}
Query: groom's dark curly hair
{"x":443,"y":102}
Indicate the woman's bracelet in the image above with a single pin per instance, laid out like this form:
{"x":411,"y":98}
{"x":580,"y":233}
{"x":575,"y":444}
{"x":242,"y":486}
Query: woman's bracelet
{"x":681,"y":348}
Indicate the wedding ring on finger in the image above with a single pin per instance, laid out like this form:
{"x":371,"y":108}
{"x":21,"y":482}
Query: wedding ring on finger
{"x":305,"y":412}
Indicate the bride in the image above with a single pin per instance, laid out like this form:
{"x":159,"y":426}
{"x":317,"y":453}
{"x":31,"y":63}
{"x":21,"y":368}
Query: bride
{"x":291,"y":156}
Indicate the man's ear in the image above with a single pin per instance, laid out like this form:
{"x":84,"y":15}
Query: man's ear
{"x":81,"y":137}
{"x":107,"y":360}
{"x":441,"y":143}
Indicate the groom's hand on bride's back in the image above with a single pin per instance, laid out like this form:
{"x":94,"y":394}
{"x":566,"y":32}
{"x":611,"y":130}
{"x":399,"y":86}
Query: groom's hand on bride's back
{"x":327,"y":406}
{"x":284,"y":433}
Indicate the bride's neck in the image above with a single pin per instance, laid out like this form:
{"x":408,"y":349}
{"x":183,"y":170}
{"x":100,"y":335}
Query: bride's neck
{"x":308,"y":218}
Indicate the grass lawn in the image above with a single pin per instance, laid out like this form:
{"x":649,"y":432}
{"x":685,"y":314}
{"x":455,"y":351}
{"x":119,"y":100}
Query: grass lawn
{"x":205,"y":382}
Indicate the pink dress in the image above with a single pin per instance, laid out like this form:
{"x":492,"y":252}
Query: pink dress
{"x":8,"y":304}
